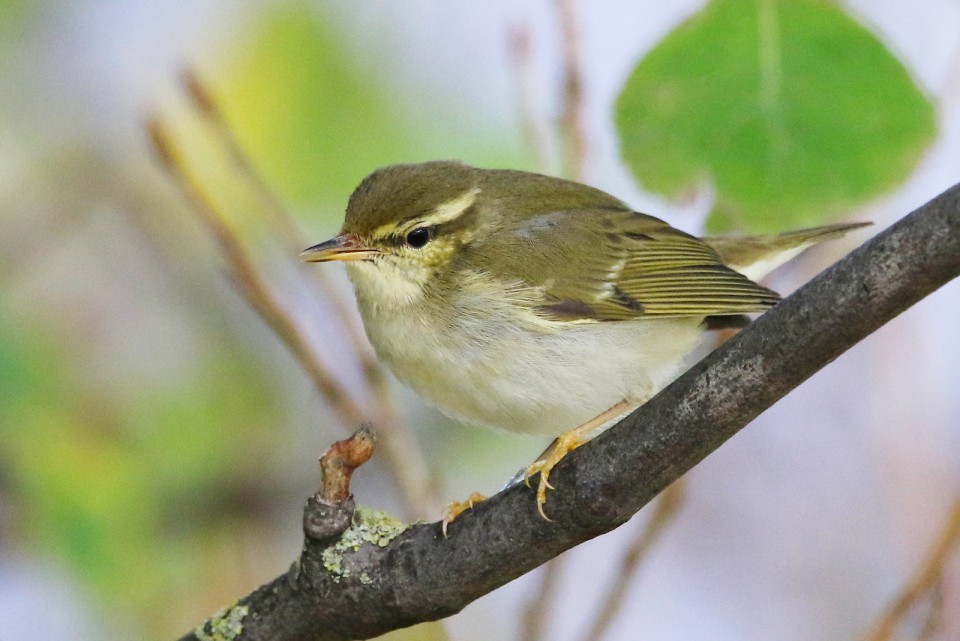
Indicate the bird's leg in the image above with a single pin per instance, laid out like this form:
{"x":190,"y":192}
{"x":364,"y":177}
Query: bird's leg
{"x":560,"y":447}
{"x":455,"y":509}
{"x":566,"y":443}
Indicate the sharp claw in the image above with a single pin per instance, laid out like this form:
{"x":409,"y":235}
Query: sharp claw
{"x":540,"y":505}
{"x":543,"y":468}
{"x":449,"y":514}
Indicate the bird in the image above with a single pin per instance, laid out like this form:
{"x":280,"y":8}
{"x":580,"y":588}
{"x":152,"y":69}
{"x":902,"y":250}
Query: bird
{"x":534,"y":304}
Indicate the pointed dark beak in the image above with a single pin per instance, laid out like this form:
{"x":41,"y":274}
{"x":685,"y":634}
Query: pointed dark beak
{"x":344,"y":247}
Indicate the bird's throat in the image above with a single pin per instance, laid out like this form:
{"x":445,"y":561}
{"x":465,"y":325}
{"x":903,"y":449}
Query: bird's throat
{"x":384,"y":286}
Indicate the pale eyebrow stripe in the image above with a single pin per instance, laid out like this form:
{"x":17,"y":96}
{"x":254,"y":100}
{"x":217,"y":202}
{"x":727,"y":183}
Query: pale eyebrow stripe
{"x":452,"y":208}
{"x":443,"y":213}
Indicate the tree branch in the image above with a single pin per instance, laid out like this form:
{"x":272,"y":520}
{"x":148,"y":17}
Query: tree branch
{"x":418,"y":575}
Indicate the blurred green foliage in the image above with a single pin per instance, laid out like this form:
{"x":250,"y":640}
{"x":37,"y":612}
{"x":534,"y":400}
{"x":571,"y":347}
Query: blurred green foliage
{"x":316,"y":120}
{"x":111,"y":484}
{"x":313,"y":121}
{"x":791,"y":108}
{"x":11,"y":13}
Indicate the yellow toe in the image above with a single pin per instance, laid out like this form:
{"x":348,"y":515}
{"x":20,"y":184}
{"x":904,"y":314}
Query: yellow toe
{"x":563,"y":445}
{"x":456,"y":508}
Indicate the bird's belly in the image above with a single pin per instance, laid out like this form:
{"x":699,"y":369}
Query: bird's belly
{"x":508,"y":377}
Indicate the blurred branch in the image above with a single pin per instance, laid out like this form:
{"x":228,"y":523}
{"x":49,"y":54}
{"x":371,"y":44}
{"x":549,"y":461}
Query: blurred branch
{"x":402,"y":456}
{"x":572,"y":129}
{"x":667,"y":505}
{"x":407,"y":460}
{"x":925,"y":580}
{"x":533,"y":624}
{"x":534,"y":129}
{"x":203,"y":101}
{"x":251,"y":286}
{"x":933,"y":623}
{"x":418,"y":575}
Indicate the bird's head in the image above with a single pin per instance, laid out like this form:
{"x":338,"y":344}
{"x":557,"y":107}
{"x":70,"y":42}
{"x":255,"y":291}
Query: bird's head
{"x":404,"y":224}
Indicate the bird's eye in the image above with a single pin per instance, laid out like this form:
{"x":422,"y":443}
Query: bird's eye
{"x":418,"y":237}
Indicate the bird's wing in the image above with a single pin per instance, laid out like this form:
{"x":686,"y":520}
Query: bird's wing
{"x":607,"y":265}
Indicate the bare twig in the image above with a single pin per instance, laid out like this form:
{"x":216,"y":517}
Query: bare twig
{"x":667,"y":505}
{"x":933,"y":622}
{"x":205,"y":104}
{"x":253,"y":288}
{"x":341,"y":459}
{"x":330,"y":511}
{"x":399,"y":446}
{"x":533,"y":624}
{"x":402,"y":456}
{"x":572,"y":128}
{"x":535,"y":129}
{"x":927,"y":576}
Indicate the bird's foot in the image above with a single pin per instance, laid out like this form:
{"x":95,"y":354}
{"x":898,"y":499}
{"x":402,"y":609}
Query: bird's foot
{"x":561,"y":446}
{"x":566,"y":443}
{"x":455,"y":509}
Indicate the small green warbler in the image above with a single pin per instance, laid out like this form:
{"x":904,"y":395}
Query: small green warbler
{"x":534,"y":304}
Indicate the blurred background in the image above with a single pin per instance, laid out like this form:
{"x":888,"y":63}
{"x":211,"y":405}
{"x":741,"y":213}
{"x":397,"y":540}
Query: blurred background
{"x":157,"y":440}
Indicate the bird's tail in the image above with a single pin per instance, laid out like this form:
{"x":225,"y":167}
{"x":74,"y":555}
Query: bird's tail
{"x":757,"y":256}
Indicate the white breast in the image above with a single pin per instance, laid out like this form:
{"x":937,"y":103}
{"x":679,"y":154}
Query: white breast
{"x":483,"y":365}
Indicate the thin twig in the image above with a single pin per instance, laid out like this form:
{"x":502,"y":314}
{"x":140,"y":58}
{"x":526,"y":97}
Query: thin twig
{"x":923,"y":581}
{"x":571,"y":124}
{"x":205,"y":104}
{"x":403,"y":458}
{"x":667,"y":506}
{"x":398,"y":445}
{"x":341,"y":460}
{"x":534,"y":129}
{"x":533,"y":623}
{"x":933,"y":622}
{"x":277,"y":214}
{"x":253,"y":288}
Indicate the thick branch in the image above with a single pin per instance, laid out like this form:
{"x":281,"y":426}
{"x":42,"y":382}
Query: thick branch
{"x":420,"y":576}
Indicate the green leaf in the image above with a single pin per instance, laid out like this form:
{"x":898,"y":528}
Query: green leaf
{"x":791,"y":108}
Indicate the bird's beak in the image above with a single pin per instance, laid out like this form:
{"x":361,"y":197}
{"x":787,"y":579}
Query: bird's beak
{"x":344,"y":247}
